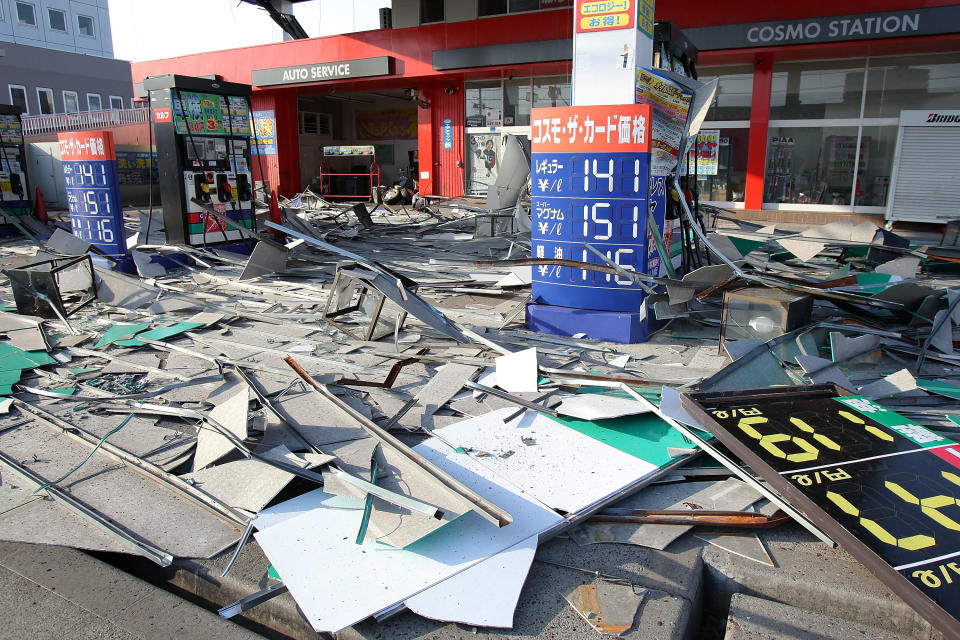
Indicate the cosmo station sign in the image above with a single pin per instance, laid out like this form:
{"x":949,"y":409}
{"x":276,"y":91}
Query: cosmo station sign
{"x":867,"y":26}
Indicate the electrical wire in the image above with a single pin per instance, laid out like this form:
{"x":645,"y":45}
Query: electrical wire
{"x":90,"y":455}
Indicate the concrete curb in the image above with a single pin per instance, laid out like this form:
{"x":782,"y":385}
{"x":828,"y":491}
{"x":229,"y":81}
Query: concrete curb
{"x":131,"y":607}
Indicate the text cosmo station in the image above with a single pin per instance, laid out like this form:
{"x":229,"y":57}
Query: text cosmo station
{"x":808,"y":123}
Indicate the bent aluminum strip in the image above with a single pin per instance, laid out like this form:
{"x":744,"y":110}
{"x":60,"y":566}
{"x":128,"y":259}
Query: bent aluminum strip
{"x":481,"y":505}
{"x":140,"y":547}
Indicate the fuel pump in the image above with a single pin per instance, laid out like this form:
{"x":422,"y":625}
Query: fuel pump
{"x":14,"y":190}
{"x":203,"y":148}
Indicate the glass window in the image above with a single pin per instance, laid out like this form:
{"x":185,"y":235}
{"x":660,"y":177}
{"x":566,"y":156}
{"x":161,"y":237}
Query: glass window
{"x":727,"y":183}
{"x":552,"y":91}
{"x":85,"y":26}
{"x":45,"y":98}
{"x":491,"y":7}
{"x":70,"y":102}
{"x":734,"y":93}
{"x":431,"y":11}
{"x":484,"y":103}
{"x":116,"y":102}
{"x":18,"y":96}
{"x":25,"y":14}
{"x":877,"y":145}
{"x":817,"y":90}
{"x":94,"y":102}
{"x":810,"y":165}
{"x":912,"y":82}
{"x":524,"y":5}
{"x":57,"y":19}
{"x":516,"y":102}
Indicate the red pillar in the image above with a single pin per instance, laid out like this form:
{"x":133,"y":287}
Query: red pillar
{"x":282,"y":171}
{"x":429,"y":164}
{"x":446,"y":102}
{"x":759,"y":123}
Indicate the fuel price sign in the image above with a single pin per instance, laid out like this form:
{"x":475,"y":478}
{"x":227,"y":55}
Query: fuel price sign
{"x":93,"y":193}
{"x":591,"y":184}
{"x":884,"y":487}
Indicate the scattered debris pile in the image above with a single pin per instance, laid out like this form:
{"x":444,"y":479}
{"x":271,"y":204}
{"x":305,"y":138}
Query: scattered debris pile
{"x":357,"y":395}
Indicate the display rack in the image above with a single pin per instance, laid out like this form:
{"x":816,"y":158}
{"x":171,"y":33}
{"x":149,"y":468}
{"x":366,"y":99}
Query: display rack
{"x":333,"y":181}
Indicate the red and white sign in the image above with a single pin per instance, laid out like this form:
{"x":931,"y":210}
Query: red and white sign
{"x":164,"y":114}
{"x":599,"y":129}
{"x":210,"y":223}
{"x":86,"y":145}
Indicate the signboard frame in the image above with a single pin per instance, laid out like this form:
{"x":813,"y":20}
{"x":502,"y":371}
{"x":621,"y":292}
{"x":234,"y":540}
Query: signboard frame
{"x":575,"y":202}
{"x":93,"y":151}
{"x":697,"y":404}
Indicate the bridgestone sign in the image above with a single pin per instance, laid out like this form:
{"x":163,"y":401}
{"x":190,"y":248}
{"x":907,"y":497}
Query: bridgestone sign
{"x":320,"y":71}
{"x":869,"y":26}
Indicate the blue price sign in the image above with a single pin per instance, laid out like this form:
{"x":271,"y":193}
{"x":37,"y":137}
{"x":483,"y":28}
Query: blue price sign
{"x":448,"y":133}
{"x":93,"y":193}
{"x":591,"y":185}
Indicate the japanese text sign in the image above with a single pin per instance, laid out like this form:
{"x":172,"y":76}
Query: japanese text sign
{"x":605,"y":15}
{"x":591,"y":129}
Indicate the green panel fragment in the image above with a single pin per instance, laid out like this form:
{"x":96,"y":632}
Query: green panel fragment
{"x":67,"y":391}
{"x":12,"y":358}
{"x":645,"y":436}
{"x":746,"y":245}
{"x":873,"y":278}
{"x":120,"y":332}
{"x":8,"y":378}
{"x":940,"y":388}
{"x":850,"y":253}
{"x":160,"y":333}
{"x":272,"y":573}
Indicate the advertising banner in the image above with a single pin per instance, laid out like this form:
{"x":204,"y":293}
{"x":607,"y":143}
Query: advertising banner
{"x":264,"y":139}
{"x":708,"y":152}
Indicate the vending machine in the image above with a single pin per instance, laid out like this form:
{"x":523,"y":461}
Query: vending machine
{"x":14,"y":190}
{"x":202,"y":129}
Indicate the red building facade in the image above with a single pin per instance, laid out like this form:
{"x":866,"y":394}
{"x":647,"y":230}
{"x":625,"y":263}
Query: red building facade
{"x":805,"y":92}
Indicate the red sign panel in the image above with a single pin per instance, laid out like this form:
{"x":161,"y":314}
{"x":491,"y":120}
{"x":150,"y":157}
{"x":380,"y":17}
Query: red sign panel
{"x":86,"y":145}
{"x":164,"y":114}
{"x":604,"y":15}
{"x":599,"y":129}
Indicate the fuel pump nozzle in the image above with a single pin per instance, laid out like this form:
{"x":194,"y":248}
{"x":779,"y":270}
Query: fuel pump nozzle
{"x":201,"y":187}
{"x":16,"y":185}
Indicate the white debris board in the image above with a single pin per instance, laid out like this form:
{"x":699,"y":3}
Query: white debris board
{"x":371,"y":577}
{"x":563,"y":468}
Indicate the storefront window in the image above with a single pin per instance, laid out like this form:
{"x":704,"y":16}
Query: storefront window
{"x":721,"y":177}
{"x":484,"y":104}
{"x":734,"y":93}
{"x":491,"y":7}
{"x":876,"y":163}
{"x":811,"y":165}
{"x":516,"y":102}
{"x":482,"y":160}
{"x":912,"y":82}
{"x":817,"y":90}
{"x":500,"y":7}
{"x":551,"y":92}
